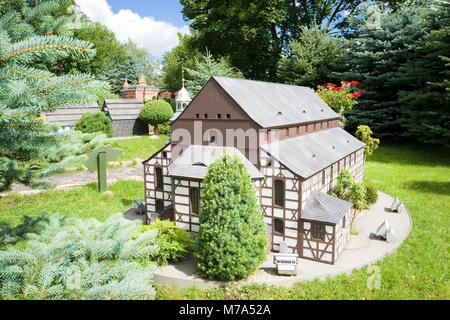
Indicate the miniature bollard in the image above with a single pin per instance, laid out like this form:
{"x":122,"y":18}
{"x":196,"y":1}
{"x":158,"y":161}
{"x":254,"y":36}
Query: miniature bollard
{"x":97,"y":160}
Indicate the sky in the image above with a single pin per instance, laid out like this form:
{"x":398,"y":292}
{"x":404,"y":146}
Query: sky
{"x":152,"y":24}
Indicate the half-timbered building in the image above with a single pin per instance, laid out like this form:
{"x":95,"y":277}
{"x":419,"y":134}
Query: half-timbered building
{"x":292,"y":146}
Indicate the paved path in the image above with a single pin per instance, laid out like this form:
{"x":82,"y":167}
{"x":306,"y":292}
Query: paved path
{"x":184,"y":275}
{"x":72,"y":180}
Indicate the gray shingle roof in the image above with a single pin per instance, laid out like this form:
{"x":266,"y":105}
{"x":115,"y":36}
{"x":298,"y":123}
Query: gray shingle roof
{"x":275,"y":104}
{"x":123,"y":109}
{"x":308,"y":154}
{"x":325,"y":208}
{"x":70,"y":114}
{"x":194,"y":161}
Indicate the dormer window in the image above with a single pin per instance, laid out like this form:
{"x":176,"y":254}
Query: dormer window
{"x":219,"y":116}
{"x":206,"y":116}
{"x":279,"y":113}
{"x":197,"y":116}
{"x":199,"y":164}
{"x":228,"y":116}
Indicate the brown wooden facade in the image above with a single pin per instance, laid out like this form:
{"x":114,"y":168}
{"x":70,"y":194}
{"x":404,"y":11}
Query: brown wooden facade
{"x":283,"y":219}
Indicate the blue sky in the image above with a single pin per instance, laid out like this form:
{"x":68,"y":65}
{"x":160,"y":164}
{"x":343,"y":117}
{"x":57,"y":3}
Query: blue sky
{"x":166,"y":10}
{"x":152,"y":24}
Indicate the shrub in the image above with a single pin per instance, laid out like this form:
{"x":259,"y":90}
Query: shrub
{"x":95,"y":122}
{"x":371,"y":195}
{"x":156,"y":112}
{"x":174,"y":243}
{"x":364,"y":133}
{"x":80,"y":259}
{"x":164,"y":129}
{"x":232,"y":242}
{"x":348,"y":189}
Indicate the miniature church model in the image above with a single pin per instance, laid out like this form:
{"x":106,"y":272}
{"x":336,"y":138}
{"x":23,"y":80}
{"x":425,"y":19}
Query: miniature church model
{"x":294,"y":159}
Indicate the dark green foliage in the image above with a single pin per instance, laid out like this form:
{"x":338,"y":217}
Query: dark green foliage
{"x":426,"y":97}
{"x":95,"y":122}
{"x":310,"y":60}
{"x":254,"y":34}
{"x":232,"y":241}
{"x":181,"y":56}
{"x":13,"y":234}
{"x":156,"y":112}
{"x":174,"y":243}
{"x":205,"y":68}
{"x":375,"y":57}
{"x":371,"y":195}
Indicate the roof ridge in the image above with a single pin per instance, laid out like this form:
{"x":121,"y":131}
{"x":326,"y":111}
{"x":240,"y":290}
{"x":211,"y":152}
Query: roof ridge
{"x":261,"y":81}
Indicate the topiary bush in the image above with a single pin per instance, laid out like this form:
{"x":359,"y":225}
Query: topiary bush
{"x":155,"y":113}
{"x":232,"y":242}
{"x":371,"y":195}
{"x":174,"y":243}
{"x":95,"y":122}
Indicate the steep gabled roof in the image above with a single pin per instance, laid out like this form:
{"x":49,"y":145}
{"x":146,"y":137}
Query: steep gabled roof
{"x":311,"y":153}
{"x":70,"y":114}
{"x":275,"y":104}
{"x":123,"y":109}
{"x":195,"y":160}
{"x":325,"y":208}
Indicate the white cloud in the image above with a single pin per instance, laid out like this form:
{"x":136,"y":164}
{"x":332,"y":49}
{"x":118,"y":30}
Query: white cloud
{"x":155,"y":36}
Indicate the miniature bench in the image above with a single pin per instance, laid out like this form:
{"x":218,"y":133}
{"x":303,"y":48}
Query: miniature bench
{"x":385,"y":231}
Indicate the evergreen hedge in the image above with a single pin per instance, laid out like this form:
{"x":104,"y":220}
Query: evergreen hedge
{"x":95,"y":122}
{"x":232,"y":242}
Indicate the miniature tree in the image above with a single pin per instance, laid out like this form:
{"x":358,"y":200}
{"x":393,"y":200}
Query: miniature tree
{"x":156,"y":112}
{"x":95,"y":122}
{"x":364,"y":133}
{"x":232,"y":241}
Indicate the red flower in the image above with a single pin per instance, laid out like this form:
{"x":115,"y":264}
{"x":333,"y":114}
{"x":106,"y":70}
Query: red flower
{"x":357,"y":94}
{"x":355,"y":83}
{"x":337,"y":89}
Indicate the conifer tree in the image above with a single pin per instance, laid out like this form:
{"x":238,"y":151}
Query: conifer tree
{"x":205,"y":68}
{"x":232,"y":242}
{"x":375,"y":55}
{"x":30,"y":39}
{"x":426,"y":98}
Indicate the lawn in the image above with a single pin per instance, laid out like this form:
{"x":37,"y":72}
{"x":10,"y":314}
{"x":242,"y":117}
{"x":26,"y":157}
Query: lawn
{"x":85,"y":202}
{"x":419,"y":176}
{"x":138,"y":147}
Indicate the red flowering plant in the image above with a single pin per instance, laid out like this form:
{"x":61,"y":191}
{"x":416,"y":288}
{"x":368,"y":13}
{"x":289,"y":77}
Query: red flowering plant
{"x":340,"y":98}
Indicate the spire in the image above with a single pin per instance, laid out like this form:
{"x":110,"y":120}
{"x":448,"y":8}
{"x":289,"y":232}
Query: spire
{"x":182,"y":76}
{"x":126,"y":85}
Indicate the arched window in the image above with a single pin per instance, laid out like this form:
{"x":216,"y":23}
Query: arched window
{"x":194,"y":199}
{"x":278,"y":226}
{"x":159,"y":178}
{"x":279,"y":193}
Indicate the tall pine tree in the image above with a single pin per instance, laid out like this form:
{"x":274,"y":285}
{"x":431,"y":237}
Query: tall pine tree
{"x":426,"y":105}
{"x":375,"y":56}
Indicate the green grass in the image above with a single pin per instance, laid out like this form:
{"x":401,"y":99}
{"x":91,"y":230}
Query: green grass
{"x":420,"y":177}
{"x":138,"y":147}
{"x":85,"y":202}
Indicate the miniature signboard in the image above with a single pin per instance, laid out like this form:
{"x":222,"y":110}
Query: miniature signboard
{"x":286,"y":263}
{"x":97,"y":160}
